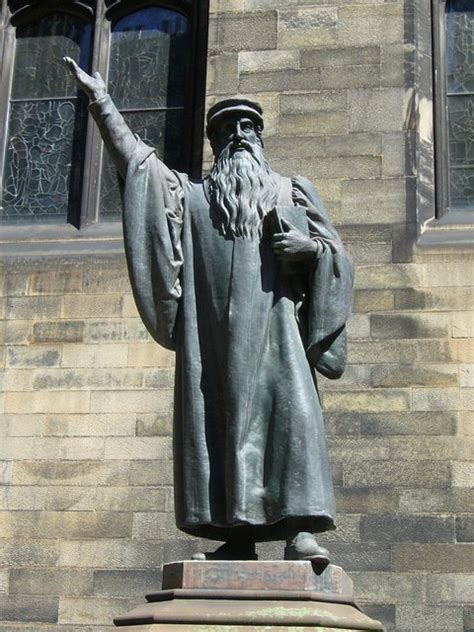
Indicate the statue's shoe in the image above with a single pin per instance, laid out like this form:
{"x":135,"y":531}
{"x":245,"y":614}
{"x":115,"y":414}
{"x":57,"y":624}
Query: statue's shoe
{"x":228,"y":551}
{"x":304,"y":547}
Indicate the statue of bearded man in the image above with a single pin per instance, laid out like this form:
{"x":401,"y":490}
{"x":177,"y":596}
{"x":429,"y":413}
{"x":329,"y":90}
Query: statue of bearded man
{"x":243,"y":275}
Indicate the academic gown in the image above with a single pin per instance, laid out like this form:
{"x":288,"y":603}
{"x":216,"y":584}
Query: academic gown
{"x":249,"y":332}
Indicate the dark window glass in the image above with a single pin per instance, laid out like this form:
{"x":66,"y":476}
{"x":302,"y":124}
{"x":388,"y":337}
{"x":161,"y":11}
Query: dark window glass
{"x":460,"y":102}
{"x":148,"y":81}
{"x":42,"y":177}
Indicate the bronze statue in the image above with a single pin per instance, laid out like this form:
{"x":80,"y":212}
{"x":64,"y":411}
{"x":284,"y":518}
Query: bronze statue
{"x":243,"y":275}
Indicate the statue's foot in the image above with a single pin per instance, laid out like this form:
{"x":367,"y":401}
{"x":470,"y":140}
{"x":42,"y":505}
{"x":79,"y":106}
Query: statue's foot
{"x":304,"y":547}
{"x":229,"y":551}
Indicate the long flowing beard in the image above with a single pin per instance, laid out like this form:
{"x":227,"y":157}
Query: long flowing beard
{"x":242,"y":191}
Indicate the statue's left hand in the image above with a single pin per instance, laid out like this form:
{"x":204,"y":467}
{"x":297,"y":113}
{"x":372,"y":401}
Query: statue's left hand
{"x":294,"y":245}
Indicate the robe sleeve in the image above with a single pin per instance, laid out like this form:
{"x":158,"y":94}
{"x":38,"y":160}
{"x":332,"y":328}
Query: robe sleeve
{"x":330,"y":293}
{"x":153,"y":202}
{"x":117,"y":136}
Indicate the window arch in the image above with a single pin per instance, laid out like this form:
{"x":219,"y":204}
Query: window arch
{"x":152,"y":55}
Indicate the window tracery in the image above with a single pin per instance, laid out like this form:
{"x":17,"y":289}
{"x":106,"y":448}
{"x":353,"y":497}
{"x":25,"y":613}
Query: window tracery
{"x":53,"y":166}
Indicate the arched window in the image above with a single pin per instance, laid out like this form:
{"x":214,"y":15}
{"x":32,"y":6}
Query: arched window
{"x":149,"y":76}
{"x":454,"y":106}
{"x":151,"y":53}
{"x":44,"y":154}
{"x":460,"y":102}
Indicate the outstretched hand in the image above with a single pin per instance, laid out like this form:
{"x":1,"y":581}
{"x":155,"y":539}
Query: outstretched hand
{"x":94,"y":86}
{"x":294,"y":245}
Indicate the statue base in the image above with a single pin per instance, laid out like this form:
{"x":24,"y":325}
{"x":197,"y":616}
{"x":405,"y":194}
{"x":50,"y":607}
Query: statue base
{"x":217,"y":596}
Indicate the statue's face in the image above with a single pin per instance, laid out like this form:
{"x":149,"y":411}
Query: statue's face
{"x":236,"y":132}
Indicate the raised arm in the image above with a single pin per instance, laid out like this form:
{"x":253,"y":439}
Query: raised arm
{"x":118,"y":138}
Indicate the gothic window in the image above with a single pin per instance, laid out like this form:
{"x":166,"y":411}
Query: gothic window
{"x":47,"y":121}
{"x":148,"y":75}
{"x":53,"y":167}
{"x":460,"y":102}
{"x":454,"y":103}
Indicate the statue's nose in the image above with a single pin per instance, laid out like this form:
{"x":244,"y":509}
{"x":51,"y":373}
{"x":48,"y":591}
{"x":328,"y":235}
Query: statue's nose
{"x":237,"y":134}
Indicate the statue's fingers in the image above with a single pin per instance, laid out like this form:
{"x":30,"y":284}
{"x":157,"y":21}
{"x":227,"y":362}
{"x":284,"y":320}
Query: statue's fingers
{"x":321,"y":248}
{"x":70,"y":62}
{"x":97,"y":75}
{"x":72,"y":67}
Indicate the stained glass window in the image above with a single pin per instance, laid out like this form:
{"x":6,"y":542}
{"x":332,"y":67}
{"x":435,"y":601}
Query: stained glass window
{"x":460,"y":102}
{"x":153,"y":56}
{"x":47,"y":118}
{"x":148,"y":81}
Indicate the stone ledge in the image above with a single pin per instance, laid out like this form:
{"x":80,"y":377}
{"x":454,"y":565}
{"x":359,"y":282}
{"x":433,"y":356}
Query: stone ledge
{"x":246,"y":595}
{"x":252,"y":613}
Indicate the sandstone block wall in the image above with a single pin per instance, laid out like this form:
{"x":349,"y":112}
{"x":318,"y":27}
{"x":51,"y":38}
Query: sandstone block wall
{"x":86,"y":507}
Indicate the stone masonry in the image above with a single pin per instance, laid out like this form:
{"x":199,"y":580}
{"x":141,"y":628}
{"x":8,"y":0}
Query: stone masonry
{"x":86,"y":507}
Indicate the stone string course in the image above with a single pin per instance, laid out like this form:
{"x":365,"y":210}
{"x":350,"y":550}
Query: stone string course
{"x":86,"y":499}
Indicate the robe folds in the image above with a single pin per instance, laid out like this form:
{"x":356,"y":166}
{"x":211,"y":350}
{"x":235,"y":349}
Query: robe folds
{"x":249,"y":332}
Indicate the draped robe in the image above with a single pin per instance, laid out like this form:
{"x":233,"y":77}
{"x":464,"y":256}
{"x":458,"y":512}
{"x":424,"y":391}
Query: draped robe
{"x":249,"y":332}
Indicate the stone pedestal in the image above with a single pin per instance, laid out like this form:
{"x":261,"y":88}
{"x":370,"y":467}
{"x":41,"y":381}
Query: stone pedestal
{"x":236,"y":596}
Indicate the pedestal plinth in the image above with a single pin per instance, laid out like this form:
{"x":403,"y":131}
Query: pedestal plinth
{"x":237,"y":596}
